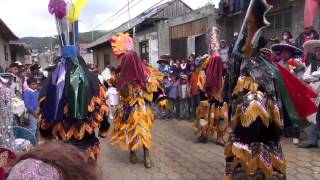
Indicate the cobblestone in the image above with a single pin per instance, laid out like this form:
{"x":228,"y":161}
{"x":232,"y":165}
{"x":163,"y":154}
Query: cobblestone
{"x":176,"y":155}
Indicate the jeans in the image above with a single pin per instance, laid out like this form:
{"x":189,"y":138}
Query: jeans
{"x":195,"y":99}
{"x":33,"y":124}
{"x":184,"y":108}
{"x":313,"y":133}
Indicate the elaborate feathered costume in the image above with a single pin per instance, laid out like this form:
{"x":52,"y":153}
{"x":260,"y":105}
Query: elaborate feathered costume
{"x":212,"y":112}
{"x":139,"y":86}
{"x":261,"y":93}
{"x":74,"y":103}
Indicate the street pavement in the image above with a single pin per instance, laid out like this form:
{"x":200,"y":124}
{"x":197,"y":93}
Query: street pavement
{"x":177,"y":155}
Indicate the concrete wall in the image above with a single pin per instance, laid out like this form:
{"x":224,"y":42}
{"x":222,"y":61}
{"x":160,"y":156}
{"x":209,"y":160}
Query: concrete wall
{"x":164,"y":38}
{"x":98,"y":54}
{"x":150,"y":35}
{"x":88,"y":57}
{"x":4,"y":63}
{"x":197,"y":14}
{"x":191,"y":44}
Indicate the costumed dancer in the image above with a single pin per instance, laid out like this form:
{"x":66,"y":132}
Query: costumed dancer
{"x":139,"y":86}
{"x":73,"y":103}
{"x":212,"y":112}
{"x":261,"y":92}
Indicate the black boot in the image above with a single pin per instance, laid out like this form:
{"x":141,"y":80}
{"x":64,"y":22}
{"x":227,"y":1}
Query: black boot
{"x":133,"y":157}
{"x":202,"y":139}
{"x":147,"y":159}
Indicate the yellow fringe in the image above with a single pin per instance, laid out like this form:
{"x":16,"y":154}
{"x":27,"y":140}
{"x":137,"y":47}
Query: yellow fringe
{"x":254,"y":110}
{"x":202,"y":112}
{"x":245,"y":82}
{"x":252,"y":164}
{"x":275,"y":114}
{"x":136,"y":132}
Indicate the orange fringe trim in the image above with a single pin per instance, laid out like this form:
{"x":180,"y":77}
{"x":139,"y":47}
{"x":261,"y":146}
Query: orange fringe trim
{"x":212,"y":120}
{"x":78,"y":133}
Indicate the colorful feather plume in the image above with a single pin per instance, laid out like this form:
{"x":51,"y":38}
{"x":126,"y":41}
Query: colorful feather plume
{"x":76,"y":9}
{"x":58,"y":8}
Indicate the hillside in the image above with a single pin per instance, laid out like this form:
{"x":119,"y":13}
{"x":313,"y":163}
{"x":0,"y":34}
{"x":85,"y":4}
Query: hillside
{"x":42,"y":42}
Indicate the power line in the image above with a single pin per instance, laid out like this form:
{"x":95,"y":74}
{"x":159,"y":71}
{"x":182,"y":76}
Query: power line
{"x":111,"y":19}
{"x":134,"y":6}
{"x":113,"y":15}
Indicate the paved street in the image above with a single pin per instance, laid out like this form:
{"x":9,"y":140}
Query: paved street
{"x":175,"y":155}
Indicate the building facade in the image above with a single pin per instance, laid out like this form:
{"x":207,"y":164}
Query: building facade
{"x":286,"y":15}
{"x":150,"y":31}
{"x":10,"y":49}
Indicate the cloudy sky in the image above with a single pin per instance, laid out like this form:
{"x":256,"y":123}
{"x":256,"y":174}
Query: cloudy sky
{"x":31,"y":17}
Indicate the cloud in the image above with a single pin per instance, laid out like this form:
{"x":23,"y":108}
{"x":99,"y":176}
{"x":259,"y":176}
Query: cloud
{"x":31,"y":17}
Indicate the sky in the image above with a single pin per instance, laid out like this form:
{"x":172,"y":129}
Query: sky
{"x":31,"y":17}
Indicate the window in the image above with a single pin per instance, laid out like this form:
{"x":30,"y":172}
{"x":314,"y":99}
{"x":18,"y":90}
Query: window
{"x":6,"y":55}
{"x":106,"y":60}
{"x":144,"y":50}
{"x":279,"y":22}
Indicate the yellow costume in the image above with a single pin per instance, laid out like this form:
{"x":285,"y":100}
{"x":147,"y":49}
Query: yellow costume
{"x":139,"y":86}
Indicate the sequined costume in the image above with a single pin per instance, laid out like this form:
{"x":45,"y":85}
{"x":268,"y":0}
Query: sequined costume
{"x":139,"y":86}
{"x":261,"y":92}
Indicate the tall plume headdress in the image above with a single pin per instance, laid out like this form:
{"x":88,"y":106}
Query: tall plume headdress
{"x":69,"y":78}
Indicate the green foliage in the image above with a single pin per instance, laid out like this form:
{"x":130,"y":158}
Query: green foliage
{"x":42,"y":42}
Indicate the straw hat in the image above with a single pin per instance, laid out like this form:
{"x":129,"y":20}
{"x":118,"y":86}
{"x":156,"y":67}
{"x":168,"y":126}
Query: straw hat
{"x":165,"y":61}
{"x":288,"y":47}
{"x":311,"y":46}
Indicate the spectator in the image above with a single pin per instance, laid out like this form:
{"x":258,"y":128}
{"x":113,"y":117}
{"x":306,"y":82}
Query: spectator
{"x":195,"y":83}
{"x":14,"y":68}
{"x":311,"y":76}
{"x":184,"y":67}
{"x":234,"y":41}
{"x":287,"y":38}
{"x":273,"y":40}
{"x":183,"y":97}
{"x":163,"y":66}
{"x":54,"y":161}
{"x":287,"y":60}
{"x":30,"y":97}
{"x":308,"y":34}
{"x":173,"y":68}
{"x":224,"y":53}
{"x":37,"y":74}
{"x":16,"y":85}
{"x":172,"y":89}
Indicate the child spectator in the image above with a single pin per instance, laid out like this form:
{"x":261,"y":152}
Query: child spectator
{"x":30,"y":97}
{"x":184,"y":67}
{"x":195,"y":84}
{"x":172,"y":89}
{"x":183,"y":96}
